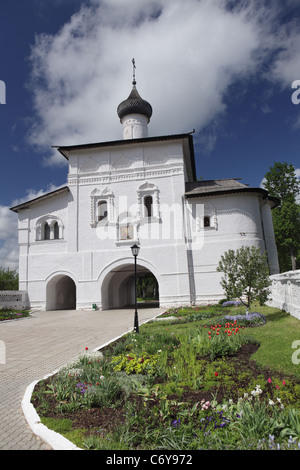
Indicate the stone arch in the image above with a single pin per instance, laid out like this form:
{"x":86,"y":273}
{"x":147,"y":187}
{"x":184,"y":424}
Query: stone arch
{"x":117,"y":282}
{"x":61,"y":293}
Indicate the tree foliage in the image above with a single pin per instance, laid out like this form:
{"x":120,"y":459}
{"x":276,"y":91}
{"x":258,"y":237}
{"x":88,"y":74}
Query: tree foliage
{"x":9,"y":279}
{"x":147,"y":285}
{"x":246,"y":275}
{"x":281,"y":181}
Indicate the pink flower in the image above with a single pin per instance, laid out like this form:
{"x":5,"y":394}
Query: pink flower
{"x":283,"y":382}
{"x":270,"y":381}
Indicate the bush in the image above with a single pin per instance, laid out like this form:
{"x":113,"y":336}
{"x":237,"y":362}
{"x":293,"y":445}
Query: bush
{"x":135,"y":364}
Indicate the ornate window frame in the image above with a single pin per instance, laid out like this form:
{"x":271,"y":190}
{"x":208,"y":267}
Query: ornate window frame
{"x":104,"y":195}
{"x":148,"y":190}
{"x":56,"y":228}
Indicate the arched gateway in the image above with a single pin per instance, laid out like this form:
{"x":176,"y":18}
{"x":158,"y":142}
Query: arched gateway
{"x":117,"y":284}
{"x":61,"y":293}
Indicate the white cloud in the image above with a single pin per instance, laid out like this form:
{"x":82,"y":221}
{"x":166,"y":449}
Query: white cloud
{"x":187,"y":53}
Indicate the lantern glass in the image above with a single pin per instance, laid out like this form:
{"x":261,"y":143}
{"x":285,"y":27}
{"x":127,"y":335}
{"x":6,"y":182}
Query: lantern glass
{"x":135,"y":250}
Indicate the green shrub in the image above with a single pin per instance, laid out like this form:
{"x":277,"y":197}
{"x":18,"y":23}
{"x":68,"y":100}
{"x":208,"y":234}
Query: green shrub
{"x":135,"y":364}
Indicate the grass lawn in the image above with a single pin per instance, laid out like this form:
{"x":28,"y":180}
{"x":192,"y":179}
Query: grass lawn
{"x":276,"y":338}
{"x":212,"y":378}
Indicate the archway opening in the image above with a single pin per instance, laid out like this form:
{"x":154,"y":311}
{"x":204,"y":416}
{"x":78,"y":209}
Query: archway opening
{"x":61,"y":293}
{"x":118,"y":290}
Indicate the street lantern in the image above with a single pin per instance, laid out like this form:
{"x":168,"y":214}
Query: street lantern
{"x":135,"y":251}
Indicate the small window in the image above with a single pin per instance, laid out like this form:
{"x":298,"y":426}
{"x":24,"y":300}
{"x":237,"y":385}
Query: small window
{"x":206,"y":221}
{"x":148,"y":206}
{"x":102,"y":210}
{"x":56,"y":231}
{"x":46,"y":231}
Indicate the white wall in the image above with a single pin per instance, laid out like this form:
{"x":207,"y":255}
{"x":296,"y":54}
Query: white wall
{"x":184,"y":262}
{"x":235,"y":222}
{"x":285,"y":292}
{"x":83,"y":255}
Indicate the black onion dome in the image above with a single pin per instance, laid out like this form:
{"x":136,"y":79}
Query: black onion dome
{"x":134,"y":105}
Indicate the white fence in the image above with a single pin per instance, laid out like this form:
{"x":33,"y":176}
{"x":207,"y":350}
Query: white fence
{"x":16,"y":299}
{"x":285,"y":292}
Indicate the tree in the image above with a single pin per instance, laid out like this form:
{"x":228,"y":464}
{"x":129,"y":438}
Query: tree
{"x":9,"y":279}
{"x":286,"y":221}
{"x":281,"y":181}
{"x":246,"y":275}
{"x":145,"y":283}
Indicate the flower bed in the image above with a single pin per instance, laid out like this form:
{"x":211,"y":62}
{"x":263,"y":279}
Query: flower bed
{"x":9,"y":314}
{"x":177,"y":387}
{"x":230,"y":303}
{"x":248,"y":319}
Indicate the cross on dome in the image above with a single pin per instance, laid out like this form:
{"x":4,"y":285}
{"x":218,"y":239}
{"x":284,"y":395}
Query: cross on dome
{"x":134,"y":104}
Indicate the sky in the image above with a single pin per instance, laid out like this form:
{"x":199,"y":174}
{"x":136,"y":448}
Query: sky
{"x":227,"y":69}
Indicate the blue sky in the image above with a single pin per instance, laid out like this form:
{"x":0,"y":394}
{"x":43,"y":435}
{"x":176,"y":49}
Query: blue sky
{"x":222,"y":67}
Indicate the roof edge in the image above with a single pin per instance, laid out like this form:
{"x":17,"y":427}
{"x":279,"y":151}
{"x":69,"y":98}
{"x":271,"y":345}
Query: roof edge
{"x":27,"y":204}
{"x":114,"y":143}
{"x":263,"y":192}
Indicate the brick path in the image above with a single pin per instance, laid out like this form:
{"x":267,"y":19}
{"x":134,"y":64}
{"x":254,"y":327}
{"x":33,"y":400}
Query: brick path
{"x":37,"y":346}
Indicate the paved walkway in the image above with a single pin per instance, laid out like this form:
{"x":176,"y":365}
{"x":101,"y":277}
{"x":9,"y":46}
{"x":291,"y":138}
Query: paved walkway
{"x":37,"y":346}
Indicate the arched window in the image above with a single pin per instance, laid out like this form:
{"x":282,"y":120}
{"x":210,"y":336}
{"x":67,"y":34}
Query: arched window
{"x":102,"y":210}
{"x":46,"y":231}
{"x":49,"y":227}
{"x":148,"y":201}
{"x":102,"y":206}
{"x":56,"y":231}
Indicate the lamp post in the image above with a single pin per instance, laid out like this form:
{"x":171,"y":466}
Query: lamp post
{"x":135,"y":251}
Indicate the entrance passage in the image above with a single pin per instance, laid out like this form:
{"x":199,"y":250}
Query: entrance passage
{"x":118,"y":290}
{"x":61,"y":293}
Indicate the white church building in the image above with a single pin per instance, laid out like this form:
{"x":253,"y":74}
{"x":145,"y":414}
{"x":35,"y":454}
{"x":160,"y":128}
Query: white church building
{"x":75,"y":242}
